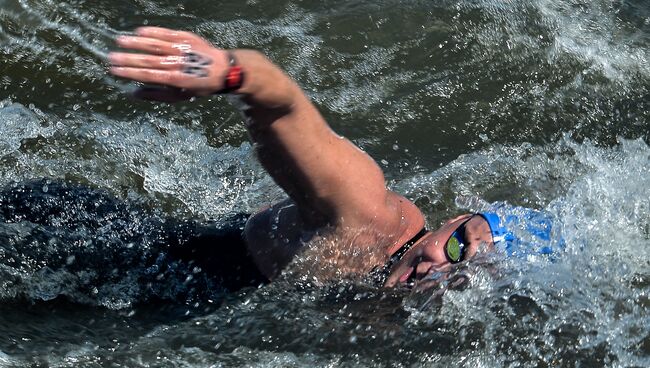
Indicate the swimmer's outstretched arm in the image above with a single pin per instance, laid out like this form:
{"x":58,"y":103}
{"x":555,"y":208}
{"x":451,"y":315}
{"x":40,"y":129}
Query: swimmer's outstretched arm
{"x":332,"y":181}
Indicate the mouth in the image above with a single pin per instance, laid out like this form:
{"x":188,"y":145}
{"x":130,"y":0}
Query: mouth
{"x":411,"y":275}
{"x":406,"y":276}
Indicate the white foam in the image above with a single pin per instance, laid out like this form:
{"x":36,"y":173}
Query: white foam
{"x":589,"y":31}
{"x":19,"y":123}
{"x":602,"y":203}
{"x":6,"y":360}
{"x":179,"y":163}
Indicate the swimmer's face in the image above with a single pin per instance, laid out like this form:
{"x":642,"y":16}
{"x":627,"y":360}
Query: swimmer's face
{"x":428,"y":254}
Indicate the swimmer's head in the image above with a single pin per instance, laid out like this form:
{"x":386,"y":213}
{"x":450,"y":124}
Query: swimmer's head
{"x":519,"y":232}
{"x":455,"y":241}
{"x":459,"y":238}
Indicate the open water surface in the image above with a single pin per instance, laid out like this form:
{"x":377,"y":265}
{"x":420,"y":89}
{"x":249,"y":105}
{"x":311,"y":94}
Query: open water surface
{"x":542,"y":104}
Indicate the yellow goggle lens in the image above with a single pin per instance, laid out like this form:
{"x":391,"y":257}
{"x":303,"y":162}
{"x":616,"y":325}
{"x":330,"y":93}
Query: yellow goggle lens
{"x":453,"y":249}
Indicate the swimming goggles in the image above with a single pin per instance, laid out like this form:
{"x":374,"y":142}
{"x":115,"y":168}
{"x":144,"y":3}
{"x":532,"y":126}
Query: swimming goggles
{"x":457,"y":245}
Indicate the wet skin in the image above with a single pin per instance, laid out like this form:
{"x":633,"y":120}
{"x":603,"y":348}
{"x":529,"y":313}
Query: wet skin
{"x":428,"y":254}
{"x":332,"y":184}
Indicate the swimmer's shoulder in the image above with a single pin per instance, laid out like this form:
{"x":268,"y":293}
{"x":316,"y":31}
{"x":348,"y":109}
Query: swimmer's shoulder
{"x":411,"y":220}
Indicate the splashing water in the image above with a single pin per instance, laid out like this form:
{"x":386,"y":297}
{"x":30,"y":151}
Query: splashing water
{"x":538,"y":104}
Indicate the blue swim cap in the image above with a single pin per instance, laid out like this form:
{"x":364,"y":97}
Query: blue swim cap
{"x":533,"y":227}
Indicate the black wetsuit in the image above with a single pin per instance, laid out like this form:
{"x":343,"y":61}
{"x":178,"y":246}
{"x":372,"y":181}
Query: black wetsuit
{"x":218,"y":250}
{"x":87,"y":232}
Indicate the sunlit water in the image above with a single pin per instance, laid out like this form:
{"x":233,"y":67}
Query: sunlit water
{"x":541,"y":104}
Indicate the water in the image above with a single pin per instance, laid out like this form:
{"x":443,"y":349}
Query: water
{"x":542,"y":104}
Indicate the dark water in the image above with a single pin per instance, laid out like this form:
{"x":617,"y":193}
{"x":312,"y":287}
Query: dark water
{"x":543,"y":104}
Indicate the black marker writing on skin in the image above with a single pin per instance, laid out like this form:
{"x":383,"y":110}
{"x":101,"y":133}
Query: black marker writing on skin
{"x":196,"y":64}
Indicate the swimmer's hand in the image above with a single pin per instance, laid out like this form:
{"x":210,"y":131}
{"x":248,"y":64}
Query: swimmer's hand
{"x":182,"y":63}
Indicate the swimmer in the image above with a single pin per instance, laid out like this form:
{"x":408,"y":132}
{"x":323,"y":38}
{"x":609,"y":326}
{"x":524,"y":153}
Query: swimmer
{"x":335,"y":190}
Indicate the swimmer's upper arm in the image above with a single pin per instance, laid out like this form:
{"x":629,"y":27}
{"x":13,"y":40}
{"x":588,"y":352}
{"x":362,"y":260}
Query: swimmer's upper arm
{"x":330,"y":179}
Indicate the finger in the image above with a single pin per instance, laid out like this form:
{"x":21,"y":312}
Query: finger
{"x":121,"y":59}
{"x":169,"y":35}
{"x":156,"y":76}
{"x":162,"y":94}
{"x":426,"y":284}
{"x":400,"y":274}
{"x":149,"y":45}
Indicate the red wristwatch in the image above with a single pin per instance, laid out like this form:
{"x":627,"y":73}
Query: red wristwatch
{"x":234,"y":77}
